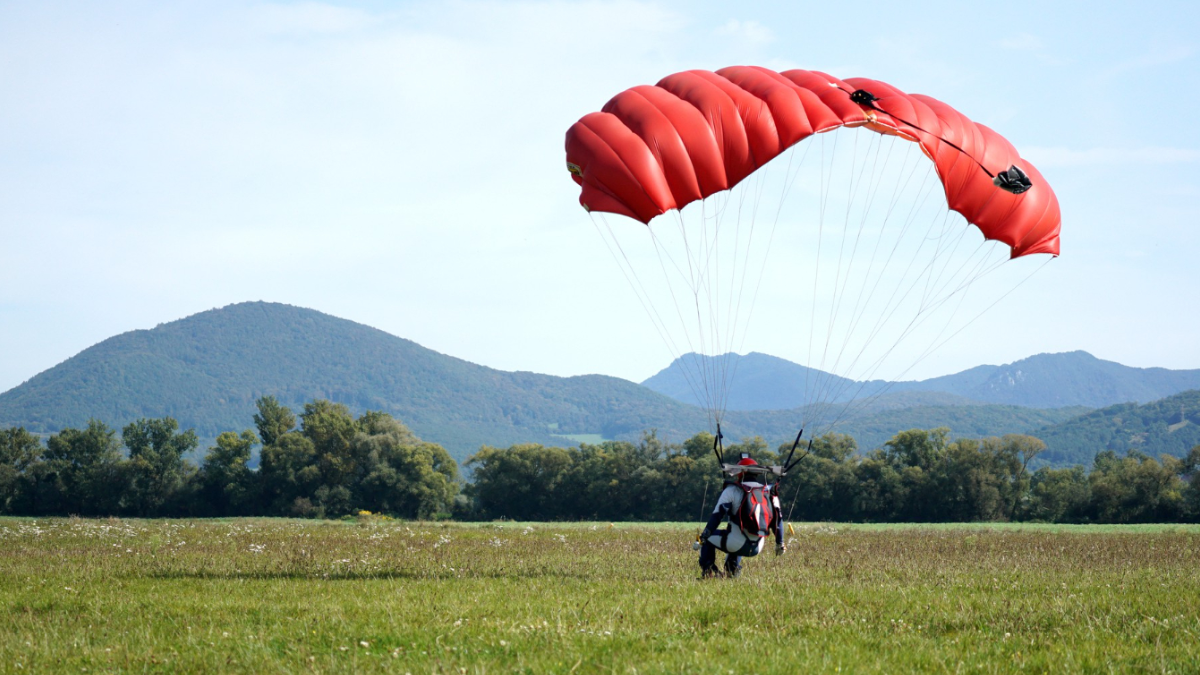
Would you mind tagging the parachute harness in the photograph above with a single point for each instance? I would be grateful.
(1012, 180)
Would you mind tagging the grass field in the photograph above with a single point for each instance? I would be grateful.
(262, 595)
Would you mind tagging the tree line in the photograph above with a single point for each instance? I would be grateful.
(326, 463)
(917, 476)
(331, 465)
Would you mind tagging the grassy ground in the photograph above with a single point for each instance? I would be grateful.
(282, 596)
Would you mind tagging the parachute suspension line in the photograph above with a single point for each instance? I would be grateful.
(867, 290)
(895, 306)
(709, 269)
(823, 201)
(829, 381)
(882, 317)
(851, 189)
(730, 324)
(697, 381)
(695, 275)
(855, 402)
(711, 373)
(789, 182)
(841, 276)
(635, 284)
(1009, 292)
(712, 287)
(729, 328)
(941, 277)
(840, 293)
(934, 347)
(709, 285)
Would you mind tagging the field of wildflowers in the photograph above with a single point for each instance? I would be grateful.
(378, 595)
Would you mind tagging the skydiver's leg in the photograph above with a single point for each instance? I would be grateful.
(733, 565)
(708, 559)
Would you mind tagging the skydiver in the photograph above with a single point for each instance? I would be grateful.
(747, 532)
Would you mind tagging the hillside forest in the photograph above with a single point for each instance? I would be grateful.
(325, 463)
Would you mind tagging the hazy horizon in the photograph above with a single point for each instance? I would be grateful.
(666, 365)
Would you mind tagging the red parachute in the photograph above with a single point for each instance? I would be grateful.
(656, 148)
(888, 267)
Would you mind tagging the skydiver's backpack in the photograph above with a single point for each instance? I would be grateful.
(753, 515)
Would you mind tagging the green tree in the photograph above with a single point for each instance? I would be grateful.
(410, 480)
(289, 476)
(18, 449)
(822, 485)
(1018, 451)
(1191, 494)
(1136, 489)
(156, 469)
(967, 484)
(331, 429)
(228, 486)
(79, 473)
(614, 480)
(880, 494)
(520, 482)
(272, 419)
(1059, 495)
(914, 454)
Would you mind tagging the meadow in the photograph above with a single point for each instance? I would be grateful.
(375, 595)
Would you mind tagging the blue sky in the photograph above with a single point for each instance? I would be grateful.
(401, 164)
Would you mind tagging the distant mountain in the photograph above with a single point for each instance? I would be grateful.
(1169, 426)
(755, 381)
(1071, 378)
(763, 382)
(208, 369)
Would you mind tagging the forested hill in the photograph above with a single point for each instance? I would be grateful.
(1169, 426)
(207, 370)
(765, 382)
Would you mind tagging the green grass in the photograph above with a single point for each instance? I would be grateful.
(261, 595)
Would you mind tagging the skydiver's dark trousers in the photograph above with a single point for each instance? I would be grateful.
(708, 560)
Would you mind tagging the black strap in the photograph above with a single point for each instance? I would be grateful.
(718, 446)
(793, 450)
(867, 100)
(801, 458)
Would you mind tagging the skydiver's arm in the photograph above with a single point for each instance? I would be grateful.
(719, 514)
(723, 509)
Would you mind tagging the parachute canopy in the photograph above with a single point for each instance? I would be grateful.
(653, 149)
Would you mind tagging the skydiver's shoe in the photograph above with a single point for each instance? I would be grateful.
(711, 573)
(733, 572)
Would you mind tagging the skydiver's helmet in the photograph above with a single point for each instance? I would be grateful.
(746, 460)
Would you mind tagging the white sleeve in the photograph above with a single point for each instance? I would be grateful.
(729, 495)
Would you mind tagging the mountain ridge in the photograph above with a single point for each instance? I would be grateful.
(1073, 378)
(206, 370)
